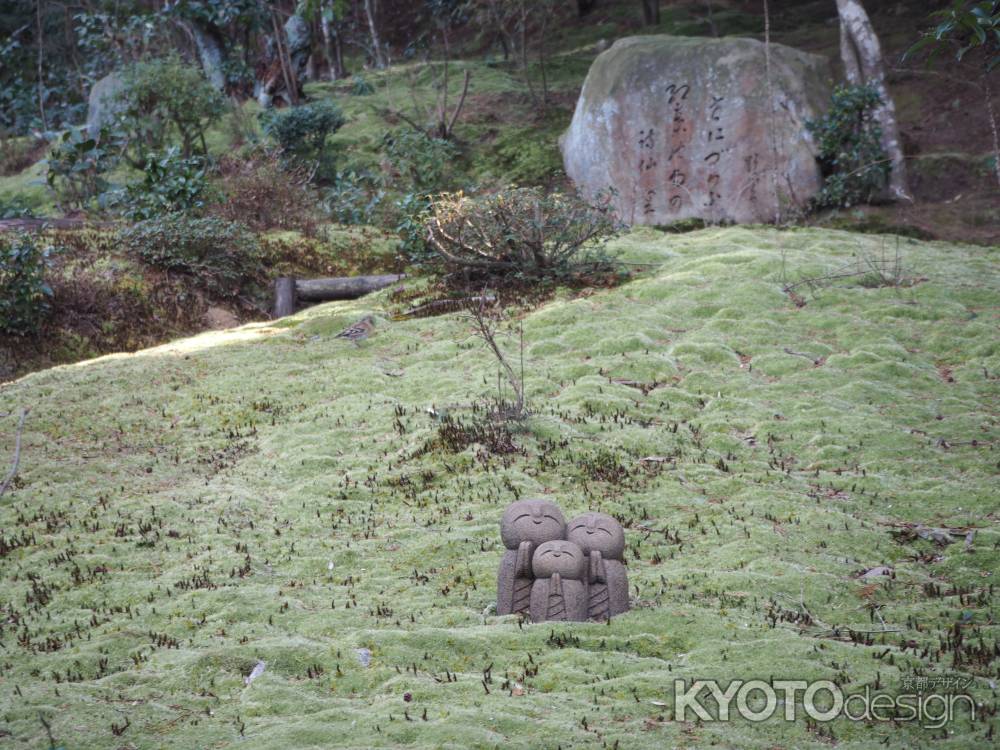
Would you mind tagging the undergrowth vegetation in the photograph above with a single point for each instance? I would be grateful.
(849, 140)
(163, 102)
(24, 293)
(221, 256)
(302, 132)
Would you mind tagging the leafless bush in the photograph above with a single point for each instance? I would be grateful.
(262, 193)
(519, 234)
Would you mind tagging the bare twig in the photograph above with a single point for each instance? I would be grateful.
(458, 108)
(17, 453)
(811, 358)
(485, 327)
(48, 731)
(773, 113)
(396, 113)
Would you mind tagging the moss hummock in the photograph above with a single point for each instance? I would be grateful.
(260, 494)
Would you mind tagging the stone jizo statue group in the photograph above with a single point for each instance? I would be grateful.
(558, 571)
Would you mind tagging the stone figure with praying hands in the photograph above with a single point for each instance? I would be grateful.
(602, 540)
(525, 525)
(554, 571)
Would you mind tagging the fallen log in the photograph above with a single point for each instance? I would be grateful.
(344, 287)
(63, 222)
(284, 296)
(289, 291)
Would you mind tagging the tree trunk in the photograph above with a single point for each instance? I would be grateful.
(344, 287)
(332, 49)
(862, 56)
(378, 51)
(338, 55)
(211, 53)
(993, 124)
(41, 73)
(651, 12)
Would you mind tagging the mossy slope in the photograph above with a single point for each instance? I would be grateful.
(178, 512)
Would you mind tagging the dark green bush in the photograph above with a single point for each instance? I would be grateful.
(354, 196)
(15, 207)
(301, 132)
(360, 86)
(166, 101)
(414, 211)
(855, 166)
(222, 256)
(420, 161)
(77, 168)
(171, 184)
(24, 295)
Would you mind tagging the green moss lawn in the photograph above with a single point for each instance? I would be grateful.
(272, 493)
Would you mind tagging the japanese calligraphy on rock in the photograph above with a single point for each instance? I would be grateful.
(679, 128)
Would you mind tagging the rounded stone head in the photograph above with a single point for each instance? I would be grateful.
(534, 521)
(559, 556)
(597, 532)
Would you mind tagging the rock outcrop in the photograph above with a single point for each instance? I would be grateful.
(103, 104)
(681, 128)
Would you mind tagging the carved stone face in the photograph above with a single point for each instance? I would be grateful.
(535, 521)
(597, 532)
(564, 558)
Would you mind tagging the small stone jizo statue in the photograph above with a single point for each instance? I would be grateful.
(602, 540)
(525, 525)
(559, 591)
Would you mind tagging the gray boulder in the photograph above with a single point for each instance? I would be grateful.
(103, 103)
(682, 128)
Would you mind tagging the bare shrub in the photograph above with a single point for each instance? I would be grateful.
(261, 193)
(519, 234)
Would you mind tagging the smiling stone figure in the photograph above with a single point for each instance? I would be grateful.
(524, 526)
(559, 591)
(603, 542)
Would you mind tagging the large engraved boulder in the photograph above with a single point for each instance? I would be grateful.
(680, 128)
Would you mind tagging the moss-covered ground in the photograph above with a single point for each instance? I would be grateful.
(272, 493)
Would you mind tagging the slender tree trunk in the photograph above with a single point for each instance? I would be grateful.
(338, 52)
(41, 74)
(993, 124)
(862, 55)
(524, 50)
(332, 49)
(775, 160)
(541, 56)
(651, 12)
(378, 51)
(442, 124)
